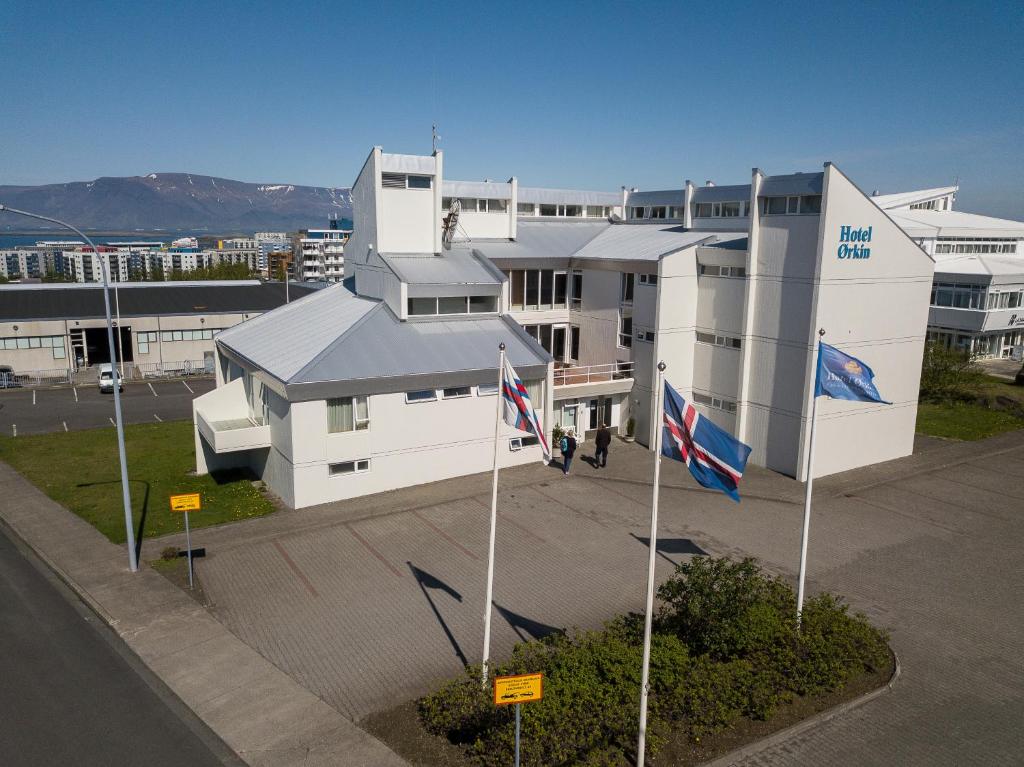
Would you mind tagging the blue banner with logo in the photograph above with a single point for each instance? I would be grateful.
(841, 376)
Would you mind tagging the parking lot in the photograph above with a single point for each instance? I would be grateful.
(72, 408)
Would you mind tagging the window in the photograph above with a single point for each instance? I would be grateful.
(532, 288)
(626, 288)
(703, 210)
(516, 288)
(810, 203)
(561, 289)
(525, 208)
(419, 182)
(730, 209)
(714, 339)
(574, 342)
(547, 277)
(347, 414)
(712, 270)
(625, 331)
(577, 290)
(421, 306)
(774, 205)
(349, 467)
(636, 212)
(658, 211)
(486, 390)
(645, 335)
(457, 392)
(597, 211)
(424, 395)
(482, 304)
(451, 305)
(710, 400)
(648, 279)
(549, 210)
(674, 212)
(515, 444)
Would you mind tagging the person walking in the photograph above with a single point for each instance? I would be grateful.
(602, 441)
(568, 448)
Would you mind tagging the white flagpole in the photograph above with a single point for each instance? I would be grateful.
(494, 515)
(808, 488)
(653, 546)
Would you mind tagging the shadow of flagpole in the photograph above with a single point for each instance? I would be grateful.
(428, 581)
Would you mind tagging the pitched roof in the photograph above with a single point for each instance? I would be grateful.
(955, 223)
(899, 199)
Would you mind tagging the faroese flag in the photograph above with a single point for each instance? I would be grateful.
(841, 376)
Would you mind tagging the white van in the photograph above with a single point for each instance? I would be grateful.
(106, 379)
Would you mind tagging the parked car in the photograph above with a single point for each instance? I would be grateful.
(8, 378)
(106, 379)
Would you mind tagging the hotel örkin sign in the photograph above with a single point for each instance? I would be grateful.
(853, 243)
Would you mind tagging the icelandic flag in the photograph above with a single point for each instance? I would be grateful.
(841, 376)
(715, 458)
(519, 412)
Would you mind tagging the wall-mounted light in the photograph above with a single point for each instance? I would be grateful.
(15, 328)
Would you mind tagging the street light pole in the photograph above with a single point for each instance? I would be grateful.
(133, 564)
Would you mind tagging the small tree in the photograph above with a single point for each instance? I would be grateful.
(948, 374)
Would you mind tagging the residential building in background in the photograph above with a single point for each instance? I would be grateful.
(320, 253)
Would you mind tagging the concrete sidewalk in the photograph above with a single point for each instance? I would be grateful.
(259, 711)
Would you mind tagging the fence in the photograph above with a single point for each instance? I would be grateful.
(84, 376)
(584, 374)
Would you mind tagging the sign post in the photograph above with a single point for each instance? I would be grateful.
(517, 689)
(187, 502)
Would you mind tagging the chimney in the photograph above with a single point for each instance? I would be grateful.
(709, 182)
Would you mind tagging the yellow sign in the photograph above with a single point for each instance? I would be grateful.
(521, 688)
(185, 502)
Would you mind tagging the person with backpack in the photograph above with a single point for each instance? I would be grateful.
(601, 443)
(568, 448)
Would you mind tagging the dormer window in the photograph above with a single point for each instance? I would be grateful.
(404, 181)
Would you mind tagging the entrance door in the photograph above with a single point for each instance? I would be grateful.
(570, 416)
(558, 343)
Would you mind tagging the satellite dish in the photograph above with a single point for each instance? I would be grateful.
(450, 222)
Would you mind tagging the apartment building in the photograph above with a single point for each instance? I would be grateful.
(320, 254)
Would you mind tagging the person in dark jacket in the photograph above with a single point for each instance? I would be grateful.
(602, 441)
(568, 447)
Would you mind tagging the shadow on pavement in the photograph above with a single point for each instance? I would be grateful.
(673, 546)
(428, 581)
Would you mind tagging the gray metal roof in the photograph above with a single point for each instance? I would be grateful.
(567, 196)
(730, 193)
(794, 184)
(662, 197)
(384, 347)
(457, 266)
(640, 242)
(283, 341)
(491, 190)
(540, 239)
(63, 301)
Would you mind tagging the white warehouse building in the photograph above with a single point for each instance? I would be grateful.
(387, 380)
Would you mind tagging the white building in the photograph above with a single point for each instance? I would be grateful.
(727, 284)
(320, 255)
(977, 301)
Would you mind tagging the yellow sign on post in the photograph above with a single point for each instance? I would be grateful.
(185, 502)
(521, 688)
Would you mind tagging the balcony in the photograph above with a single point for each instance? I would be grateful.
(589, 380)
(234, 434)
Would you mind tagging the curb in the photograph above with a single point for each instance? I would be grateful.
(733, 757)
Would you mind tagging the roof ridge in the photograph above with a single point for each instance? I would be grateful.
(284, 308)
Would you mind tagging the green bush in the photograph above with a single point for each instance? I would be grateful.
(725, 645)
(949, 374)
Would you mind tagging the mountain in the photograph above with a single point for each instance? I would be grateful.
(180, 201)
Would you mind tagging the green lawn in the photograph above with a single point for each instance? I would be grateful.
(80, 470)
(964, 421)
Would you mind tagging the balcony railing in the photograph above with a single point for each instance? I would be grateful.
(585, 374)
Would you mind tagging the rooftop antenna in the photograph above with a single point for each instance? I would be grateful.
(434, 137)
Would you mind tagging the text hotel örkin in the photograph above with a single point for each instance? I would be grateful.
(852, 242)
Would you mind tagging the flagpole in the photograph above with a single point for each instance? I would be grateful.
(494, 516)
(653, 547)
(810, 483)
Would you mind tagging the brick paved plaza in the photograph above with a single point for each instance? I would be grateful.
(367, 603)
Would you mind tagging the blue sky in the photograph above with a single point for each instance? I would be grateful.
(589, 95)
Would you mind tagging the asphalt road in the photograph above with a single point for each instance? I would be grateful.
(38, 411)
(72, 693)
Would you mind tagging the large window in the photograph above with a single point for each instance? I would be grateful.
(54, 343)
(975, 245)
(961, 295)
(625, 330)
(475, 205)
(806, 204)
(537, 289)
(560, 341)
(347, 414)
(626, 289)
(526, 209)
(729, 209)
(403, 181)
(577, 290)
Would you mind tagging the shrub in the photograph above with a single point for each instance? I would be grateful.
(725, 645)
(169, 552)
(948, 374)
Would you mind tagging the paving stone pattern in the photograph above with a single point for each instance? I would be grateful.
(370, 602)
